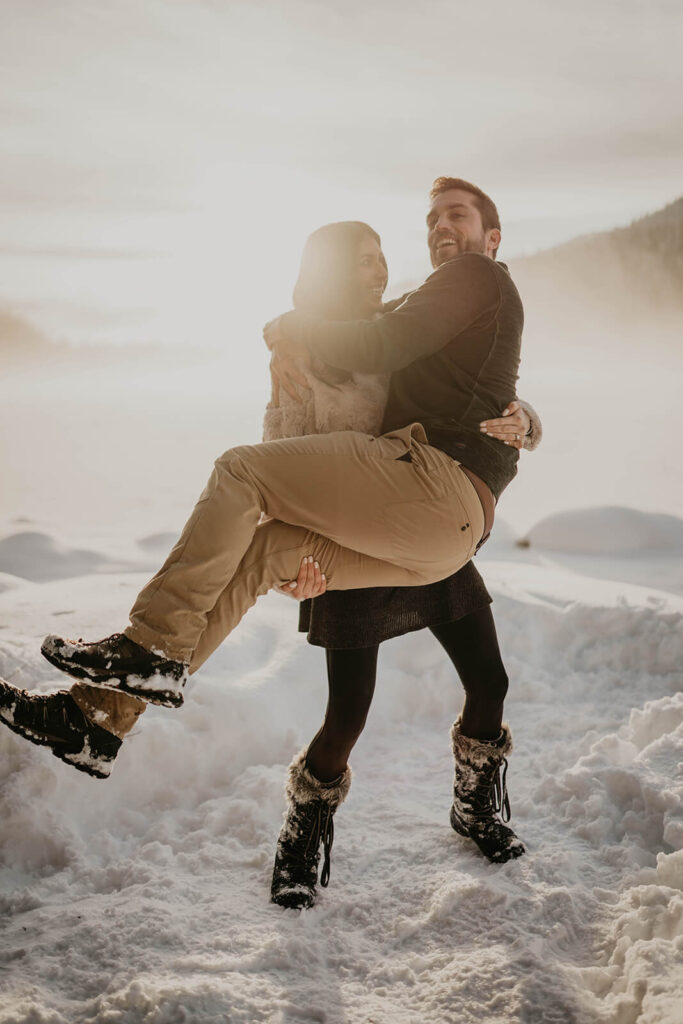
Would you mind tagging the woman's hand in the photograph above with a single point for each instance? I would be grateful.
(285, 370)
(310, 582)
(511, 428)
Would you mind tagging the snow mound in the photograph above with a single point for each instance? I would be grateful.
(624, 792)
(174, 852)
(40, 557)
(7, 582)
(624, 799)
(607, 530)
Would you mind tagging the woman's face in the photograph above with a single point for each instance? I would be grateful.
(372, 274)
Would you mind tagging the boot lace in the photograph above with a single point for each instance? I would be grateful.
(492, 794)
(51, 714)
(499, 791)
(317, 825)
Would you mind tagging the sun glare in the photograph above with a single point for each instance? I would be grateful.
(233, 259)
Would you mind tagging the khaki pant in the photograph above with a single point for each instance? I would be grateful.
(354, 502)
(115, 712)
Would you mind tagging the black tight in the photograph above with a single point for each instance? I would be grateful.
(351, 680)
(471, 644)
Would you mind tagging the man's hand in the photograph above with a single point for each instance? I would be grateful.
(286, 360)
(310, 582)
(510, 428)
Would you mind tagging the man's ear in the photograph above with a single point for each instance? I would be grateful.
(492, 241)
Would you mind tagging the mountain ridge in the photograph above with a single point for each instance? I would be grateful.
(628, 275)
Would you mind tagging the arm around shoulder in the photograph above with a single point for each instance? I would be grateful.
(453, 298)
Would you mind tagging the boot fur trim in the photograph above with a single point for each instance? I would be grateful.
(478, 752)
(303, 787)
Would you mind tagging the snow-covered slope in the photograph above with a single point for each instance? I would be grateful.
(145, 898)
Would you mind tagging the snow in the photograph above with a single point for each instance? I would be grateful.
(38, 556)
(608, 530)
(143, 899)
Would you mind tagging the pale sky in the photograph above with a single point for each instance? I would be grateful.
(165, 159)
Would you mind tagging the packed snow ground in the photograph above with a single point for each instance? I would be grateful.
(144, 898)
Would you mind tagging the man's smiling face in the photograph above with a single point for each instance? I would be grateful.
(454, 225)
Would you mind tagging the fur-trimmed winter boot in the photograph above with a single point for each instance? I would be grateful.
(480, 794)
(308, 824)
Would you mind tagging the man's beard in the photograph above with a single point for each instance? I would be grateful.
(463, 245)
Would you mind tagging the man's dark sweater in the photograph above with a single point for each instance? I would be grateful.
(452, 347)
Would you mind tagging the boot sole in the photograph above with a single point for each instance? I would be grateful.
(85, 761)
(293, 899)
(117, 684)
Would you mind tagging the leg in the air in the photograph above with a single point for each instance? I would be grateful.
(273, 558)
(386, 521)
(136, 664)
(350, 493)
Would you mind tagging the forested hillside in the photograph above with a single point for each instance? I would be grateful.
(629, 277)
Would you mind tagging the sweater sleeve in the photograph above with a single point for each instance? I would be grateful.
(535, 435)
(461, 293)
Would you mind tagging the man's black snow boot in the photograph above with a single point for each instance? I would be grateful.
(480, 794)
(117, 663)
(54, 720)
(308, 824)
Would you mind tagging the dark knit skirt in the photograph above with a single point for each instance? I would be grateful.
(344, 619)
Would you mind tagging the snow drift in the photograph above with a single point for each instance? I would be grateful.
(145, 898)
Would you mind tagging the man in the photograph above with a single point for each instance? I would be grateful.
(409, 507)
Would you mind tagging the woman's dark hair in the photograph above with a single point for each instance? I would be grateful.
(327, 285)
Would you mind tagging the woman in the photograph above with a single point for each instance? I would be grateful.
(343, 275)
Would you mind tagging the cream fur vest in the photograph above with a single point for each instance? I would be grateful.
(357, 404)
